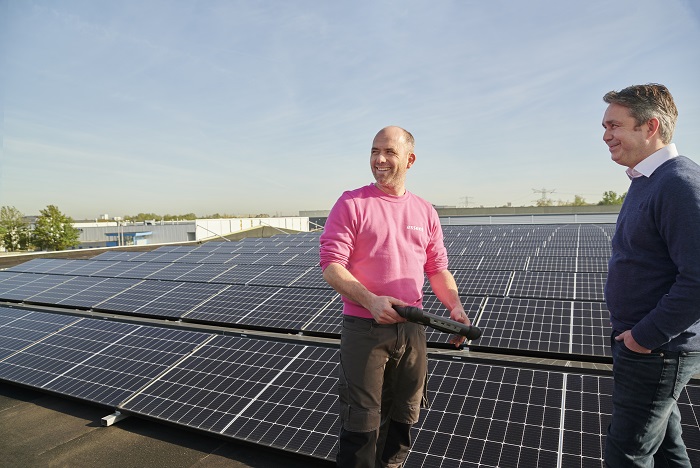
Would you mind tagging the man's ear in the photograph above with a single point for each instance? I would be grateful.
(652, 127)
(411, 160)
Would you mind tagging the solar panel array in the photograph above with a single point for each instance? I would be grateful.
(506, 275)
(534, 290)
(282, 394)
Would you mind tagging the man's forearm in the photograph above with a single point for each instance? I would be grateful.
(340, 279)
(445, 288)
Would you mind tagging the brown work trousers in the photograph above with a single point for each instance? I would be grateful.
(381, 388)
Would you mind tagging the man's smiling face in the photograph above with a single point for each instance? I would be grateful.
(626, 140)
(390, 159)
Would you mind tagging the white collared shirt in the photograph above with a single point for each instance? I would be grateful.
(648, 165)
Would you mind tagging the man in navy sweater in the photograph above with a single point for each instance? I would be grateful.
(653, 285)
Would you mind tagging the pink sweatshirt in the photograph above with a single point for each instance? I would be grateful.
(388, 243)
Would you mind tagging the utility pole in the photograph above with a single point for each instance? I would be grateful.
(543, 200)
(466, 201)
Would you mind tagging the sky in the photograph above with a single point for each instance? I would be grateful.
(250, 107)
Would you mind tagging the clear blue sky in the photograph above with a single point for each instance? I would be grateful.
(241, 107)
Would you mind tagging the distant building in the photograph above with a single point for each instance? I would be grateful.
(117, 233)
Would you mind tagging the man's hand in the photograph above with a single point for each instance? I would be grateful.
(459, 315)
(631, 343)
(382, 311)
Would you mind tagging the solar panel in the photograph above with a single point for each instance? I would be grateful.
(278, 275)
(480, 283)
(117, 269)
(137, 296)
(289, 309)
(174, 271)
(489, 416)
(276, 258)
(73, 286)
(329, 321)
(117, 255)
(37, 265)
(303, 249)
(88, 268)
(99, 361)
(204, 273)
(7, 275)
(25, 285)
(588, 409)
(247, 258)
(526, 324)
(65, 267)
(464, 262)
(503, 263)
(593, 264)
(297, 410)
(180, 300)
(273, 393)
(590, 286)
(543, 284)
(152, 256)
(552, 264)
(312, 278)
(240, 274)
(309, 259)
(591, 329)
(93, 295)
(140, 270)
(21, 328)
(231, 305)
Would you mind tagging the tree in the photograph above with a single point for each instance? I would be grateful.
(54, 230)
(14, 229)
(612, 198)
(578, 201)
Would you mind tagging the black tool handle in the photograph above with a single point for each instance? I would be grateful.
(414, 314)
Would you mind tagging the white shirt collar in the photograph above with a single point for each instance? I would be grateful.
(648, 165)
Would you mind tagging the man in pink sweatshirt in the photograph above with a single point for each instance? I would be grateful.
(378, 244)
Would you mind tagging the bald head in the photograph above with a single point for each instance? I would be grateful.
(391, 156)
(399, 134)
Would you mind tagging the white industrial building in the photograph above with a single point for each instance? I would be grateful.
(112, 234)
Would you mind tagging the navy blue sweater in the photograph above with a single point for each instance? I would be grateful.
(653, 285)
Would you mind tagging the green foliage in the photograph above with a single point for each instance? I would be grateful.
(14, 229)
(143, 217)
(54, 230)
(578, 201)
(612, 198)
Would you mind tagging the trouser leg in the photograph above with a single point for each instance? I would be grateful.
(396, 446)
(356, 449)
(645, 416)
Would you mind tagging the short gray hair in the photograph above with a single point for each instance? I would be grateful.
(646, 102)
